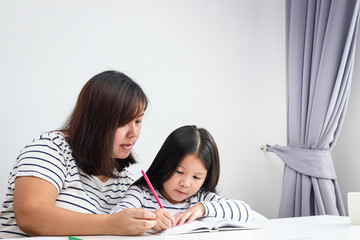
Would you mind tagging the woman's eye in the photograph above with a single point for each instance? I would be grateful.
(138, 120)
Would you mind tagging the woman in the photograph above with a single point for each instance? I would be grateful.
(65, 182)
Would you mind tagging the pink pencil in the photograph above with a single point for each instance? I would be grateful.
(153, 191)
(151, 188)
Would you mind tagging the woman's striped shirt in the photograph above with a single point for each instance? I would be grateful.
(49, 157)
(139, 196)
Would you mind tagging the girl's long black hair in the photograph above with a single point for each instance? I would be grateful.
(180, 143)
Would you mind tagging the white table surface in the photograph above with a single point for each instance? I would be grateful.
(299, 228)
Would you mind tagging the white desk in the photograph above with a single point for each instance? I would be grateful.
(316, 227)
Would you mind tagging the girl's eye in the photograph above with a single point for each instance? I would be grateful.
(179, 172)
(197, 178)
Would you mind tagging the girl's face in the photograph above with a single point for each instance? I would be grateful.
(186, 180)
(125, 138)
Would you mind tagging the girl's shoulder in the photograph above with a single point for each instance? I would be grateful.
(202, 195)
(202, 192)
(145, 190)
(140, 188)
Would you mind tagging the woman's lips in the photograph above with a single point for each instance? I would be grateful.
(126, 146)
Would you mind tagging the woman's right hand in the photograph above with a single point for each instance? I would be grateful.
(132, 221)
(164, 219)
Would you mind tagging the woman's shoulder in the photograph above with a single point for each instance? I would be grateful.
(53, 139)
(54, 136)
(125, 174)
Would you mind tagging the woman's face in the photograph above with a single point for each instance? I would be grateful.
(186, 181)
(125, 138)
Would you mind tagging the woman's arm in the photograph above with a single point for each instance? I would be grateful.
(36, 214)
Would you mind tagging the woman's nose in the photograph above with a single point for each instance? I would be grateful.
(133, 131)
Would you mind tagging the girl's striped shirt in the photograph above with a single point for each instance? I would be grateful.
(139, 196)
(49, 157)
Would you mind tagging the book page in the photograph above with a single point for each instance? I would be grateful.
(195, 226)
(233, 225)
(207, 224)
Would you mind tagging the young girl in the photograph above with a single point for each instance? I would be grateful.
(184, 173)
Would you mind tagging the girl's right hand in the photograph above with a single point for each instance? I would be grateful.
(164, 219)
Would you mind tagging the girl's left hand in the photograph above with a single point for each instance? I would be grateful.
(196, 211)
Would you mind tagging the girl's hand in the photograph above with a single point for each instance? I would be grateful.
(164, 219)
(196, 211)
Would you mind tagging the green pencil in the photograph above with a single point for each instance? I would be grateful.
(73, 238)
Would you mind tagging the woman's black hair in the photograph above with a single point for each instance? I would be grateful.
(107, 101)
(181, 142)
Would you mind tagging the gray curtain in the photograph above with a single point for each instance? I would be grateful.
(320, 48)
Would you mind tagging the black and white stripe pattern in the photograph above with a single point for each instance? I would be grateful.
(49, 157)
(216, 206)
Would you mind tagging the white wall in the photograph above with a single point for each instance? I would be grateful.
(219, 64)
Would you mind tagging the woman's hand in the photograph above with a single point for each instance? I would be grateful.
(196, 211)
(164, 219)
(132, 221)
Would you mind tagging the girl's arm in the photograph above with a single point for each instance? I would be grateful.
(211, 205)
(36, 214)
(133, 199)
(216, 206)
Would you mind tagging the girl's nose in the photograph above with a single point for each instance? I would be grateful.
(185, 183)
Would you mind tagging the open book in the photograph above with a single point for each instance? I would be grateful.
(208, 224)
